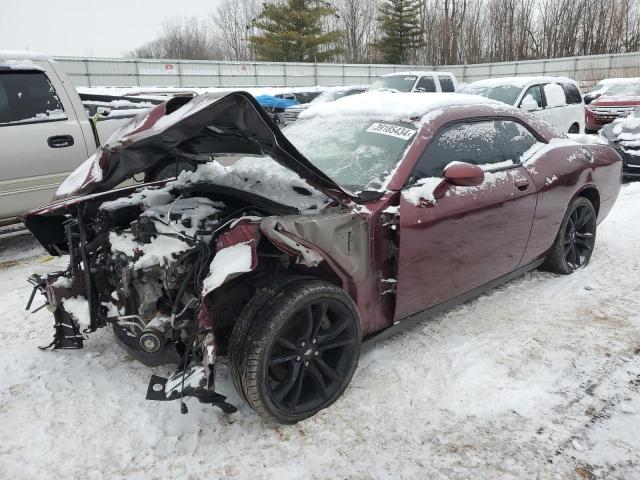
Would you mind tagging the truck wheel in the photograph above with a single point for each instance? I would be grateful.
(301, 351)
(575, 240)
(575, 128)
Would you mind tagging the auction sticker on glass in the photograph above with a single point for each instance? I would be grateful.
(391, 130)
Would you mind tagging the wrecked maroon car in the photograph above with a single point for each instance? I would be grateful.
(284, 251)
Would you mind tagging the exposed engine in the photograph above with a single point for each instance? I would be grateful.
(148, 255)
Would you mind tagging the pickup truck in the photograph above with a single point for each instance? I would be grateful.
(45, 131)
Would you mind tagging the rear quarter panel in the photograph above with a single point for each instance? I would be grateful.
(560, 173)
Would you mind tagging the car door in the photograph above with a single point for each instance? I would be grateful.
(556, 111)
(41, 140)
(471, 235)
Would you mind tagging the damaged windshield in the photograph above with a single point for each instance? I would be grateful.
(358, 153)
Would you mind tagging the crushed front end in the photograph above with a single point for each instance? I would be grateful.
(138, 265)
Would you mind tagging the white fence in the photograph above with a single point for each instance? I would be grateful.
(183, 73)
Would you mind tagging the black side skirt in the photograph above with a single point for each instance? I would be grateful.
(431, 312)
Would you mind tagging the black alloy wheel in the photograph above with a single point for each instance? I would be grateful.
(579, 235)
(299, 352)
(311, 356)
(576, 238)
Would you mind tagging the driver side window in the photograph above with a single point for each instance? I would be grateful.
(535, 93)
(481, 143)
(426, 84)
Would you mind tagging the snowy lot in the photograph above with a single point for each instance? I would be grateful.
(539, 379)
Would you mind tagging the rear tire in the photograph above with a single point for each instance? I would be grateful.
(576, 238)
(300, 350)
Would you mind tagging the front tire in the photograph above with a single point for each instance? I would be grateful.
(300, 352)
(575, 128)
(576, 238)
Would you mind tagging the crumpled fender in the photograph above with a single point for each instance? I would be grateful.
(288, 243)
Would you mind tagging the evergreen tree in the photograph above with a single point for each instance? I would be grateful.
(293, 31)
(399, 22)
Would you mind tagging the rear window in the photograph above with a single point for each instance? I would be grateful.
(28, 97)
(572, 93)
(446, 83)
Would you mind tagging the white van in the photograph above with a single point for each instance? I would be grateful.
(556, 99)
(416, 82)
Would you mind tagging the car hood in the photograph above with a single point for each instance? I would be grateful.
(616, 101)
(624, 131)
(197, 127)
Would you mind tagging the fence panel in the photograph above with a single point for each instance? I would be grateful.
(183, 73)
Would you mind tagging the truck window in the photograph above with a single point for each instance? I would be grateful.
(446, 84)
(426, 84)
(28, 97)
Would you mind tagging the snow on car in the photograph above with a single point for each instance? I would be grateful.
(619, 101)
(285, 251)
(556, 99)
(624, 135)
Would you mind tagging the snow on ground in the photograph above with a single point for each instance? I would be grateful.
(539, 379)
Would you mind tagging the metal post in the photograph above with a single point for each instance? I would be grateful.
(516, 70)
(135, 63)
(255, 72)
(219, 74)
(86, 69)
(315, 73)
(464, 72)
(610, 65)
(179, 63)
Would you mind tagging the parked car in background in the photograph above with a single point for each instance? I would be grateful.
(623, 134)
(365, 216)
(618, 101)
(291, 113)
(605, 85)
(45, 132)
(556, 99)
(416, 82)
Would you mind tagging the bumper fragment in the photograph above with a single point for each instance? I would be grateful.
(194, 380)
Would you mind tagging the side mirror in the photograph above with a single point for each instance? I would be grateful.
(463, 174)
(529, 104)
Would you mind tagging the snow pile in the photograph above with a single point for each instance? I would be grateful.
(392, 106)
(47, 115)
(554, 94)
(78, 308)
(226, 263)
(498, 388)
(160, 251)
(422, 191)
(144, 198)
(87, 171)
(258, 175)
(587, 139)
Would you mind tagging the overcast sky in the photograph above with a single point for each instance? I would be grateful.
(100, 28)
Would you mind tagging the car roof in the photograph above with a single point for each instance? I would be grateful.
(520, 81)
(23, 55)
(396, 106)
(418, 73)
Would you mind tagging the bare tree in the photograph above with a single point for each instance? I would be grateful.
(234, 22)
(182, 38)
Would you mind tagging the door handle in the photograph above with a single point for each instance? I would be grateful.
(522, 183)
(60, 141)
